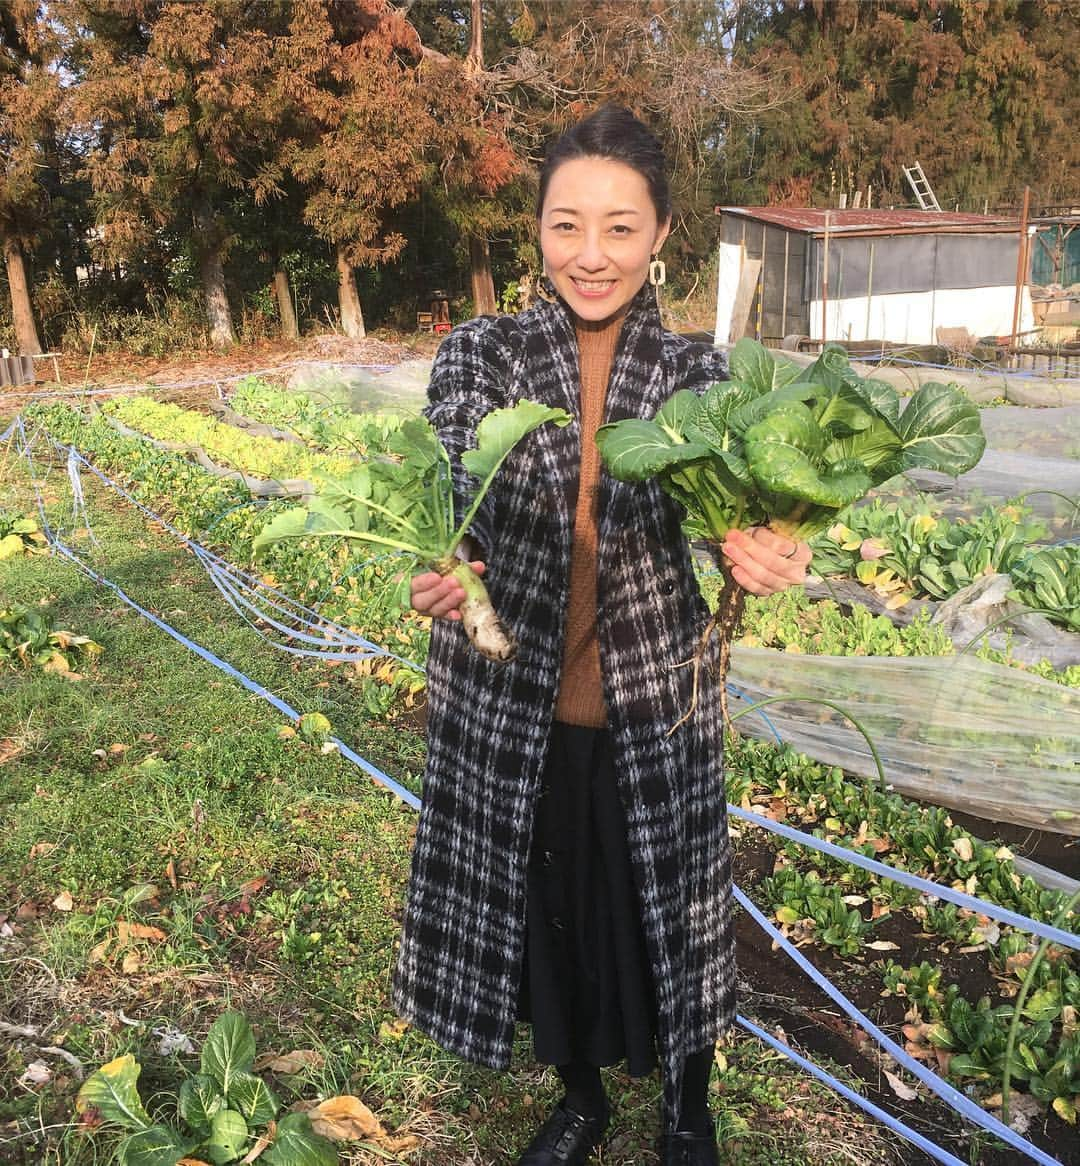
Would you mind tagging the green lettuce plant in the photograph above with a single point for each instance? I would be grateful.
(786, 448)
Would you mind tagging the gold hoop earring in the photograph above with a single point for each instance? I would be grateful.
(657, 272)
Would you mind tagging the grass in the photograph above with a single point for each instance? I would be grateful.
(261, 874)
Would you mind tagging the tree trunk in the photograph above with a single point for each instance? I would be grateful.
(212, 274)
(289, 330)
(352, 316)
(483, 287)
(474, 59)
(22, 311)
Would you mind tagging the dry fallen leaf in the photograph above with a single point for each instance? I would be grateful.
(63, 901)
(394, 1029)
(260, 1145)
(119, 747)
(37, 1073)
(904, 1092)
(883, 945)
(129, 931)
(253, 886)
(131, 963)
(401, 1144)
(40, 848)
(100, 951)
(345, 1119)
(294, 1062)
(963, 848)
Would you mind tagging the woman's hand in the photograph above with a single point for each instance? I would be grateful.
(438, 595)
(764, 562)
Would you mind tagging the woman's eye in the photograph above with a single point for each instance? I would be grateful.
(620, 229)
(563, 227)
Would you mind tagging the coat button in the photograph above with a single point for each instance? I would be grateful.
(549, 857)
(668, 588)
(556, 924)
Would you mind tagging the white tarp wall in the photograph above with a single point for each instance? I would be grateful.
(729, 264)
(914, 317)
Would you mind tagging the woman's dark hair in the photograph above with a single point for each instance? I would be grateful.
(613, 132)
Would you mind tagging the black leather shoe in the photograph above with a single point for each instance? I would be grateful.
(686, 1149)
(565, 1139)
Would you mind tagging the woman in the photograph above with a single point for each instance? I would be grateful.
(571, 863)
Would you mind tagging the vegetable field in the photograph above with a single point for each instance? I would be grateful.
(196, 883)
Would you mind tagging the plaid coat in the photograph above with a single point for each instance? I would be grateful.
(461, 952)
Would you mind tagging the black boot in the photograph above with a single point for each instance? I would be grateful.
(687, 1149)
(565, 1139)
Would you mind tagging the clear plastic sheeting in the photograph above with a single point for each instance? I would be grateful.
(364, 389)
(955, 731)
(1031, 452)
(1042, 433)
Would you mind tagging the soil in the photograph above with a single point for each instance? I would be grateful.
(772, 988)
(79, 372)
(776, 992)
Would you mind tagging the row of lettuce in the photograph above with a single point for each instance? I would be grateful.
(819, 901)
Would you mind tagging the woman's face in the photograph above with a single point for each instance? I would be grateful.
(598, 232)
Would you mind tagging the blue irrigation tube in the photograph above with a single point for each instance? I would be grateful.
(212, 562)
(849, 1094)
(963, 1105)
(992, 910)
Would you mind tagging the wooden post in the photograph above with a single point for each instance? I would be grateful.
(783, 306)
(869, 288)
(825, 285)
(761, 285)
(1021, 266)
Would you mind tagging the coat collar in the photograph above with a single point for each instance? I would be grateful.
(636, 387)
(550, 372)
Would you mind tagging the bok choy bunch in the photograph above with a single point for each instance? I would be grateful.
(787, 448)
(406, 503)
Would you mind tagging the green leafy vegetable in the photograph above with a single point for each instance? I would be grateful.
(229, 1050)
(297, 1144)
(228, 1134)
(407, 504)
(157, 1146)
(111, 1090)
(200, 1099)
(786, 448)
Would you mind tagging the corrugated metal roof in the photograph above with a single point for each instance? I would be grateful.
(811, 220)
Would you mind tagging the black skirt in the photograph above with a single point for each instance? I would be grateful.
(586, 982)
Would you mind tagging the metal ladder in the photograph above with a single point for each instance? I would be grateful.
(923, 191)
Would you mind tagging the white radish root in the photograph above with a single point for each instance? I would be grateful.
(486, 631)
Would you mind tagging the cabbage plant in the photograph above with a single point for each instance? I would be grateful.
(787, 448)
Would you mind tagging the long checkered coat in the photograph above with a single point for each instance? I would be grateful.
(488, 724)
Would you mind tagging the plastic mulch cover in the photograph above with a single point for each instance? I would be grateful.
(957, 731)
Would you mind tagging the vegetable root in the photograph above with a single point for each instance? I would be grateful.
(724, 623)
(486, 631)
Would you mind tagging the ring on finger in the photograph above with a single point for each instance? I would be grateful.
(792, 553)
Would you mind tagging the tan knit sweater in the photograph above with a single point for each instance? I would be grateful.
(581, 696)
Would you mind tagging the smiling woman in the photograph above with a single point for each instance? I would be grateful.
(599, 230)
(572, 865)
